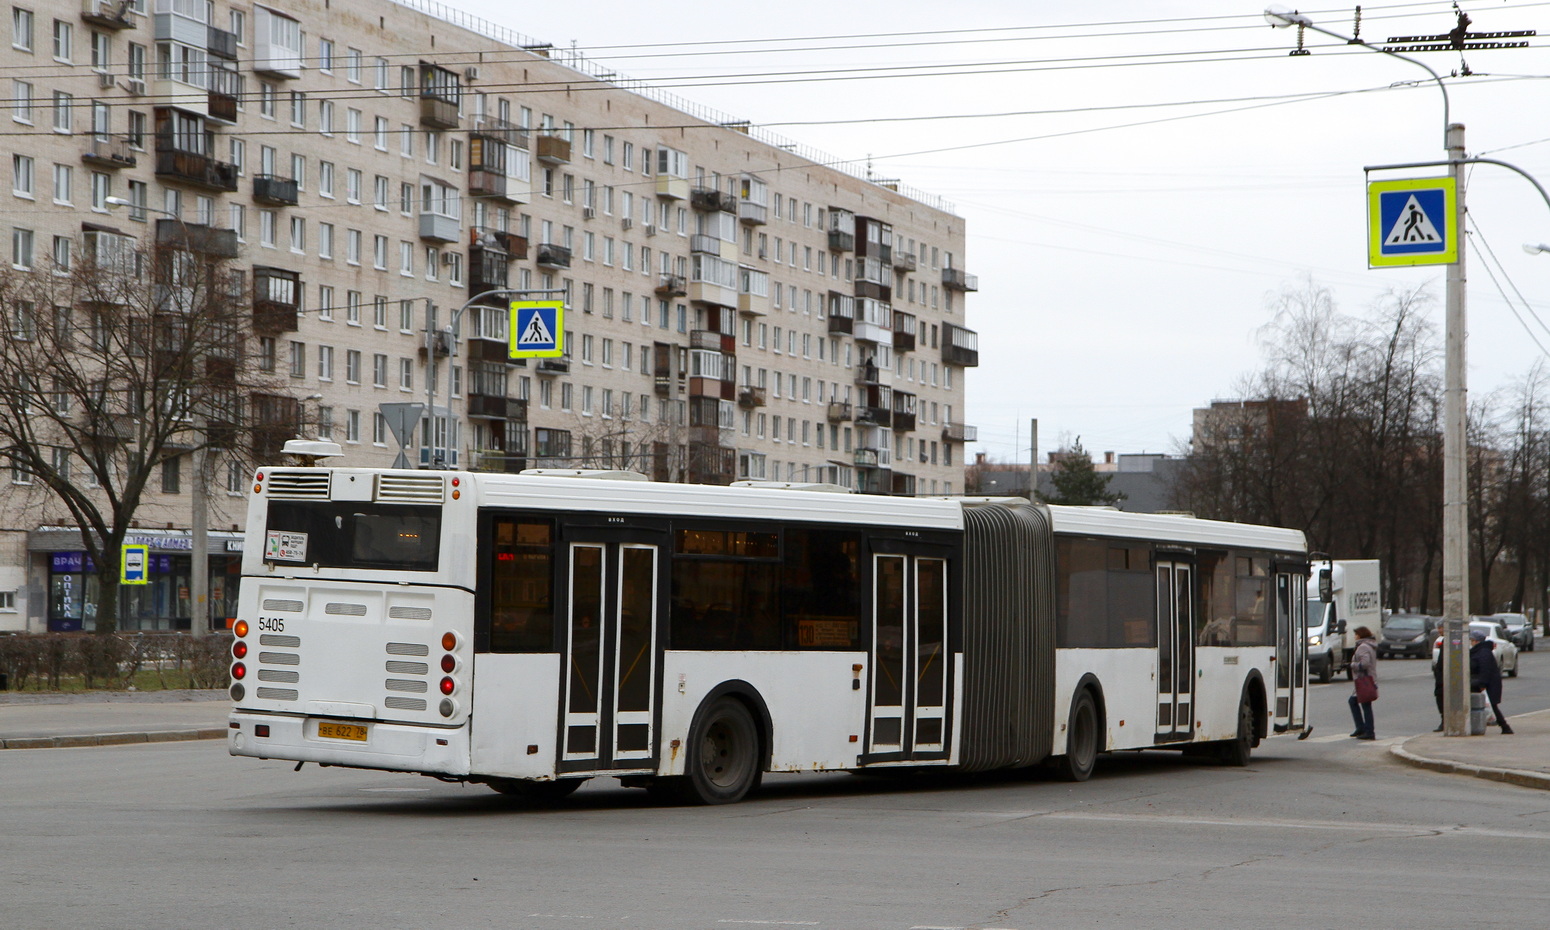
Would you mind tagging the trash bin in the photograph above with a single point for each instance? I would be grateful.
(1477, 712)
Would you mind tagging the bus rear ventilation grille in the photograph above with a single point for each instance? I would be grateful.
(279, 694)
(411, 489)
(277, 604)
(408, 668)
(408, 649)
(401, 703)
(282, 640)
(406, 685)
(279, 674)
(279, 658)
(409, 613)
(344, 610)
(291, 485)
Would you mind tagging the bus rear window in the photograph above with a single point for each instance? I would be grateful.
(351, 534)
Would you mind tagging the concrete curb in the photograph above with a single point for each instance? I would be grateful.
(111, 739)
(1518, 777)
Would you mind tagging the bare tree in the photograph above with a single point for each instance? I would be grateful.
(119, 369)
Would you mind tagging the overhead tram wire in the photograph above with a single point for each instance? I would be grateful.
(1477, 242)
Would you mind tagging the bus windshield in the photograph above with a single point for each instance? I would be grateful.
(353, 534)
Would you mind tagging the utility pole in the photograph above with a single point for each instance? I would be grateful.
(1033, 459)
(1455, 472)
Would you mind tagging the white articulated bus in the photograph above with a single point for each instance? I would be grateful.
(532, 631)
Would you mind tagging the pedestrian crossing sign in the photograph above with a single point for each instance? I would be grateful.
(1412, 222)
(537, 329)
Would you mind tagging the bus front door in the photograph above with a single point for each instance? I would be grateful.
(1291, 687)
(909, 711)
(1175, 651)
(610, 656)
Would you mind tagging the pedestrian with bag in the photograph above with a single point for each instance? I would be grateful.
(1364, 676)
(1485, 675)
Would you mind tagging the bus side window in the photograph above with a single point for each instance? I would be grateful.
(522, 586)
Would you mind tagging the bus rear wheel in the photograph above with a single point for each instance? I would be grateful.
(1081, 739)
(536, 790)
(722, 761)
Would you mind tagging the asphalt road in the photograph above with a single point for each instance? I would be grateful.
(1328, 832)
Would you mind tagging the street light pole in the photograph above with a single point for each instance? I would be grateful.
(1455, 481)
(199, 499)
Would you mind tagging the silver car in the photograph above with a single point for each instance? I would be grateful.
(1520, 629)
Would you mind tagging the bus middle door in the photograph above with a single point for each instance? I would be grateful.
(909, 699)
(610, 649)
(1175, 649)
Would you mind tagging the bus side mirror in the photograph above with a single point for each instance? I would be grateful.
(1326, 585)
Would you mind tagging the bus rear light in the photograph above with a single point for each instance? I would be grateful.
(456, 494)
(456, 482)
(241, 629)
(238, 692)
(448, 685)
(239, 649)
(449, 641)
(448, 663)
(261, 729)
(239, 671)
(448, 708)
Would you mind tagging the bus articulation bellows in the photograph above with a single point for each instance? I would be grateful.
(531, 631)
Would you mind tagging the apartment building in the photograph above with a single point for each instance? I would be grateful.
(735, 308)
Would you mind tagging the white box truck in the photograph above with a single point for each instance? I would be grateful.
(1342, 595)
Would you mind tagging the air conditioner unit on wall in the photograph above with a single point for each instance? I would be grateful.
(137, 86)
(651, 230)
(106, 79)
(471, 73)
(627, 223)
(588, 213)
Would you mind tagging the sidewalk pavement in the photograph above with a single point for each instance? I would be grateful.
(32, 720)
(1520, 759)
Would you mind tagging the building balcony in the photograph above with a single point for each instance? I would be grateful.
(904, 261)
(840, 241)
(198, 170)
(671, 188)
(865, 331)
(553, 366)
(707, 292)
(109, 152)
(874, 416)
(753, 304)
(486, 349)
(956, 279)
(221, 44)
(672, 285)
(273, 189)
(710, 199)
(488, 270)
(903, 485)
(874, 291)
(960, 346)
(490, 406)
(840, 412)
(499, 130)
(438, 112)
(552, 150)
(108, 14)
(276, 300)
(903, 422)
(754, 214)
(960, 432)
(841, 324)
(486, 182)
(196, 237)
(865, 458)
(553, 256)
(440, 228)
(903, 332)
(749, 396)
(513, 246)
(708, 245)
(724, 343)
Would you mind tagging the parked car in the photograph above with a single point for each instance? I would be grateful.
(1520, 629)
(1408, 635)
(1506, 651)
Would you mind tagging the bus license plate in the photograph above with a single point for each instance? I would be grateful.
(350, 731)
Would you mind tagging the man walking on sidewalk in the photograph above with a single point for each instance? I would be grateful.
(1485, 675)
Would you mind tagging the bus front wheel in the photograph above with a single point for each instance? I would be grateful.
(1081, 739)
(722, 762)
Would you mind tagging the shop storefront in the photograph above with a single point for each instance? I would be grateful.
(164, 602)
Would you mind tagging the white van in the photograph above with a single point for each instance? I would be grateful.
(1342, 595)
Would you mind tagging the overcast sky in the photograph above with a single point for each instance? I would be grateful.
(1137, 178)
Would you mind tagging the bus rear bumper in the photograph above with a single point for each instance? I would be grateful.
(368, 744)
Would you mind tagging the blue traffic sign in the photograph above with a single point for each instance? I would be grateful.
(1411, 222)
(537, 329)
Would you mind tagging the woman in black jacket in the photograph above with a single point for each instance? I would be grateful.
(1485, 675)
